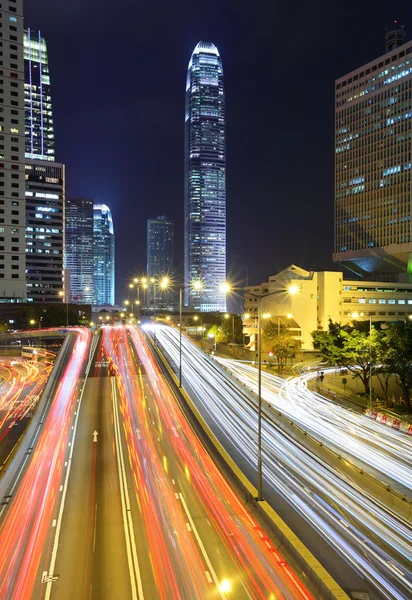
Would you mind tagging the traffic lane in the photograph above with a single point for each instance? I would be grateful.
(29, 523)
(17, 466)
(19, 395)
(92, 521)
(333, 562)
(238, 548)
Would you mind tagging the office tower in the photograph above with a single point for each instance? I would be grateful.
(39, 116)
(12, 201)
(205, 180)
(79, 248)
(103, 256)
(373, 159)
(160, 246)
(44, 230)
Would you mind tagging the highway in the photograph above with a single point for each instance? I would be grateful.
(201, 540)
(34, 485)
(365, 546)
(385, 451)
(118, 497)
(21, 383)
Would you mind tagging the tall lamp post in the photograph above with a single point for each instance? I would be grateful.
(291, 290)
(356, 315)
(227, 316)
(196, 285)
(61, 294)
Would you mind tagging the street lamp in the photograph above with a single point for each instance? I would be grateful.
(196, 285)
(40, 320)
(293, 289)
(61, 294)
(227, 316)
(356, 315)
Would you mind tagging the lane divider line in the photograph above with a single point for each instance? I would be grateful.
(134, 570)
(64, 488)
(201, 546)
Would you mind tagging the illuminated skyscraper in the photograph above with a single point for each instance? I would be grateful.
(205, 179)
(12, 177)
(79, 248)
(160, 246)
(103, 256)
(38, 115)
(44, 230)
(373, 164)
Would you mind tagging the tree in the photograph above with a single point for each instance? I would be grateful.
(349, 347)
(280, 341)
(234, 321)
(218, 333)
(396, 355)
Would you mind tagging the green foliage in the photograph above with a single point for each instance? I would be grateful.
(219, 335)
(381, 352)
(236, 323)
(280, 342)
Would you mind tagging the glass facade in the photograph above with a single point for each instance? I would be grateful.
(79, 249)
(44, 230)
(373, 133)
(160, 246)
(103, 256)
(205, 180)
(39, 130)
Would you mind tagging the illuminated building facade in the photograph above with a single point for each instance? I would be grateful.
(205, 180)
(373, 164)
(79, 249)
(12, 199)
(44, 230)
(103, 256)
(38, 117)
(160, 246)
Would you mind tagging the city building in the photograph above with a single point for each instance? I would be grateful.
(103, 256)
(205, 180)
(373, 164)
(45, 189)
(38, 117)
(78, 258)
(320, 296)
(12, 199)
(160, 246)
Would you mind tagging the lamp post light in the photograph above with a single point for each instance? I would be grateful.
(355, 315)
(196, 285)
(293, 289)
(61, 295)
(227, 316)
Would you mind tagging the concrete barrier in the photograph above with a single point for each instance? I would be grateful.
(322, 585)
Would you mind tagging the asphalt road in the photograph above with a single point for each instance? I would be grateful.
(21, 384)
(32, 487)
(147, 514)
(366, 542)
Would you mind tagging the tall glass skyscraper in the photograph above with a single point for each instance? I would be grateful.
(103, 255)
(39, 130)
(79, 248)
(205, 180)
(373, 164)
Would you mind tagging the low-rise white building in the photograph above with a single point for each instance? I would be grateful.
(319, 296)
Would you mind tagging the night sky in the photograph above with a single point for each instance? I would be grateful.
(118, 74)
